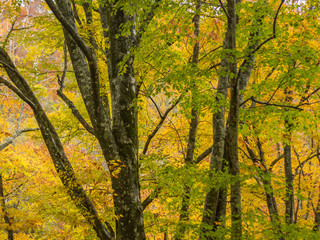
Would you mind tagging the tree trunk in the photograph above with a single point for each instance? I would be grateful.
(191, 145)
(8, 220)
(268, 188)
(232, 134)
(289, 201)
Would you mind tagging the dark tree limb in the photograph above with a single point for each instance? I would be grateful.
(146, 22)
(203, 155)
(75, 11)
(273, 30)
(76, 112)
(305, 161)
(224, 9)
(274, 162)
(70, 104)
(150, 198)
(16, 91)
(253, 99)
(211, 51)
(162, 119)
(66, 24)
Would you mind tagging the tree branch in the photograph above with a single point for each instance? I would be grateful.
(146, 22)
(17, 134)
(305, 161)
(274, 162)
(224, 9)
(76, 112)
(163, 118)
(203, 155)
(150, 198)
(253, 99)
(17, 91)
(65, 23)
(273, 30)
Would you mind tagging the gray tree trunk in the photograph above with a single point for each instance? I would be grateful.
(117, 135)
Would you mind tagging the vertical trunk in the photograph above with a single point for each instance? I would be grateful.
(232, 134)
(317, 216)
(268, 188)
(289, 201)
(210, 215)
(127, 200)
(8, 220)
(316, 227)
(184, 211)
(118, 138)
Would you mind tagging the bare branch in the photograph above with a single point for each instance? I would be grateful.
(76, 15)
(163, 118)
(17, 91)
(203, 155)
(305, 161)
(150, 198)
(9, 33)
(214, 65)
(156, 106)
(66, 24)
(274, 162)
(76, 112)
(253, 99)
(224, 9)
(70, 104)
(273, 30)
(17, 134)
(211, 51)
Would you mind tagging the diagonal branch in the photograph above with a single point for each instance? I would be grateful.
(305, 161)
(17, 134)
(150, 198)
(66, 24)
(17, 91)
(146, 22)
(224, 9)
(273, 29)
(154, 132)
(253, 99)
(203, 155)
(76, 112)
(76, 15)
(70, 104)
(274, 162)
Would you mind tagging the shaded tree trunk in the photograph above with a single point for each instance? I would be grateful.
(232, 134)
(117, 134)
(289, 201)
(8, 220)
(264, 175)
(191, 145)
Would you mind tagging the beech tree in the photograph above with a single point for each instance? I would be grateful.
(113, 124)
(237, 71)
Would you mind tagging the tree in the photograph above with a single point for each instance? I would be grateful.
(120, 54)
(116, 133)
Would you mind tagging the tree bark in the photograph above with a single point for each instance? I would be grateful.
(191, 145)
(289, 201)
(232, 134)
(8, 220)
(264, 175)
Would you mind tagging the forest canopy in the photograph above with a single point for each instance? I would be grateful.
(159, 119)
